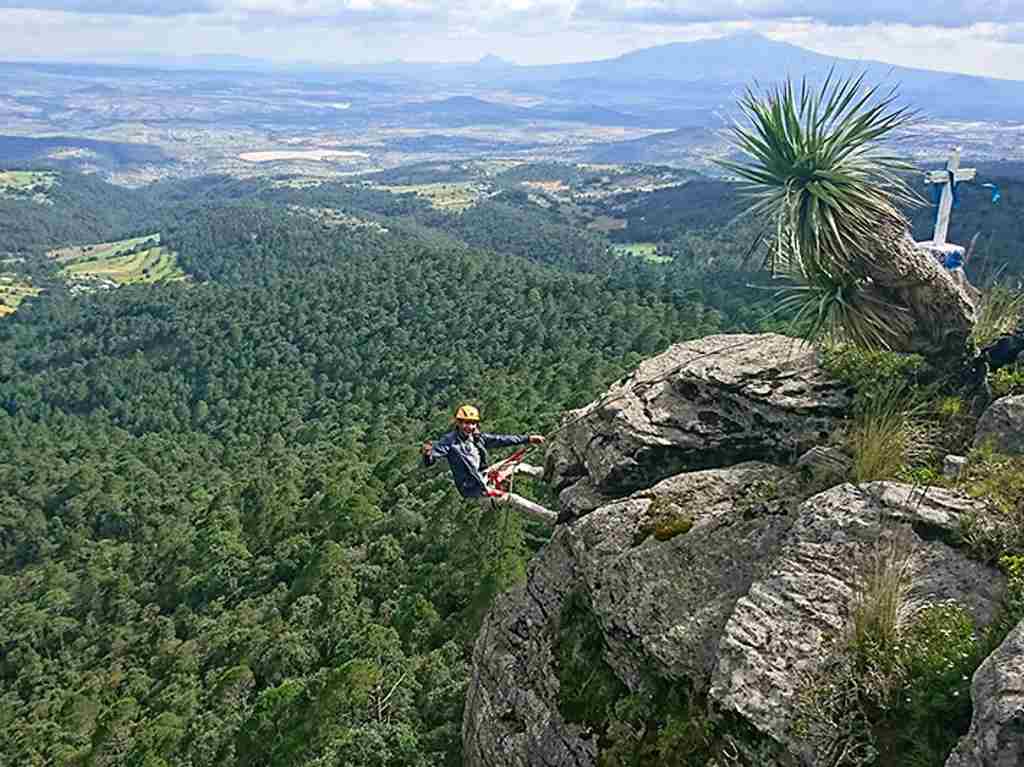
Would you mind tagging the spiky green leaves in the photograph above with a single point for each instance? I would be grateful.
(852, 312)
(818, 168)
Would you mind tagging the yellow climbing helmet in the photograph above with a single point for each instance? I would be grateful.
(467, 413)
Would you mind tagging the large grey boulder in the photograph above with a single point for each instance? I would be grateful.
(717, 581)
(1002, 425)
(713, 402)
(664, 568)
(996, 737)
(697, 566)
(660, 572)
(785, 628)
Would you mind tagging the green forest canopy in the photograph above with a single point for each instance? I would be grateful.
(217, 546)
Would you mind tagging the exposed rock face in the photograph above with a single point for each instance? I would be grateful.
(1002, 425)
(953, 466)
(709, 403)
(664, 603)
(511, 716)
(745, 599)
(996, 737)
(783, 626)
(728, 582)
(826, 465)
(661, 604)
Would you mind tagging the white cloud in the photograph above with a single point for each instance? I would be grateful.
(119, 7)
(1010, 33)
(975, 36)
(945, 13)
(973, 50)
(309, 10)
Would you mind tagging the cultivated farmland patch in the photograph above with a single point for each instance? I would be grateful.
(648, 251)
(14, 290)
(456, 196)
(109, 265)
(27, 185)
(550, 187)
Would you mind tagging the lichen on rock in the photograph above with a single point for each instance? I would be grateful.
(660, 607)
(1002, 426)
(788, 623)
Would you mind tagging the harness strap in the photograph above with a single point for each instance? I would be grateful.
(499, 476)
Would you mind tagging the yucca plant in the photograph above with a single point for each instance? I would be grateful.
(818, 170)
(824, 312)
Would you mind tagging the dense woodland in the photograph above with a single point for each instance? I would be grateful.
(84, 209)
(216, 543)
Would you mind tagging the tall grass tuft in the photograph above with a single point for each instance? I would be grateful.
(838, 708)
(999, 312)
(888, 437)
(880, 607)
(897, 692)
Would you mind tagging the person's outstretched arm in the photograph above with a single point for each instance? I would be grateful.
(508, 440)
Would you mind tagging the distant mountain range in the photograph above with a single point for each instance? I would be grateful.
(692, 83)
(673, 84)
(668, 86)
(707, 74)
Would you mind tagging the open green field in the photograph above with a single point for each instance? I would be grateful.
(13, 290)
(139, 259)
(25, 179)
(648, 251)
(296, 183)
(101, 250)
(455, 196)
(26, 184)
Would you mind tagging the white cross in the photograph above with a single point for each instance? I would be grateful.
(955, 174)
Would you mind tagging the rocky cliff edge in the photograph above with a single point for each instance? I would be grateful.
(703, 560)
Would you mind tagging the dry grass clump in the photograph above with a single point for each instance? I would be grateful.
(879, 607)
(889, 436)
(999, 313)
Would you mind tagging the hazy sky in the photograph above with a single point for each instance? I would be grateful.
(977, 36)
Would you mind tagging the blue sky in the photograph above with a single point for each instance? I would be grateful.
(977, 36)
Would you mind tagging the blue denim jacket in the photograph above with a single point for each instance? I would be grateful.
(467, 457)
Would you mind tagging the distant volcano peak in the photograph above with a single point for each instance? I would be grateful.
(490, 61)
(745, 34)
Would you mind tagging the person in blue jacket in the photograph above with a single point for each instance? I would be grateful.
(465, 448)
